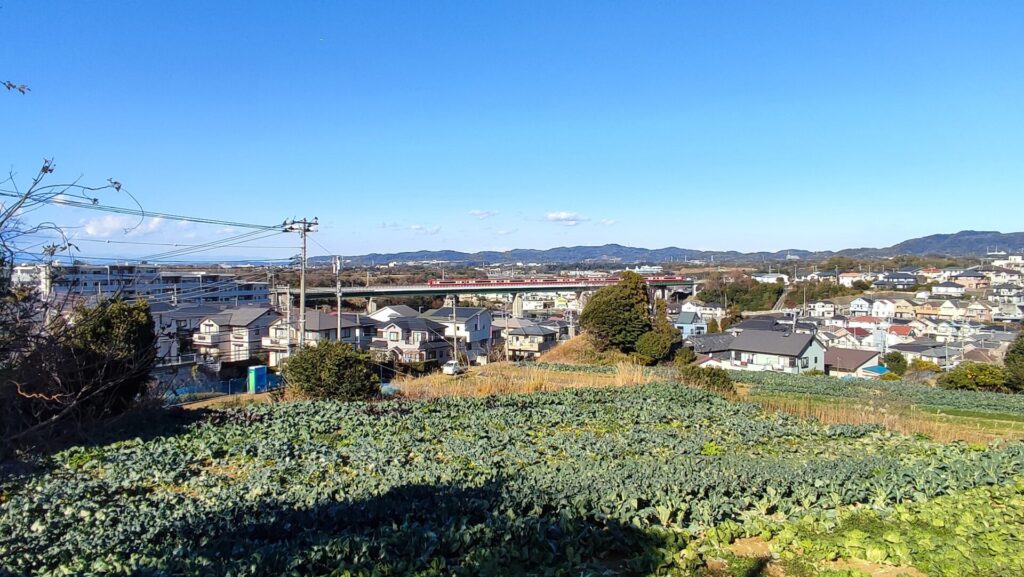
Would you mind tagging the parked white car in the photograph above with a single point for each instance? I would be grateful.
(452, 368)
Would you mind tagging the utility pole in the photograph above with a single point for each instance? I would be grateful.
(455, 333)
(337, 289)
(303, 227)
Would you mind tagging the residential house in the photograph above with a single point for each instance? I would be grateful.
(471, 326)
(390, 312)
(530, 342)
(1009, 313)
(1006, 293)
(899, 281)
(842, 362)
(838, 338)
(407, 340)
(949, 289)
(861, 306)
(821, 309)
(883, 309)
(1013, 261)
(283, 334)
(929, 350)
(234, 334)
(980, 311)
(690, 324)
(760, 350)
(770, 277)
(903, 309)
(951, 271)
(1001, 275)
(904, 333)
(927, 309)
(971, 279)
(174, 327)
(865, 321)
(847, 279)
(714, 345)
(835, 321)
(952, 310)
(707, 311)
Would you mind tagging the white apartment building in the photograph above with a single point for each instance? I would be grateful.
(134, 281)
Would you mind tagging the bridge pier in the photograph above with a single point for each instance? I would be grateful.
(371, 306)
(517, 305)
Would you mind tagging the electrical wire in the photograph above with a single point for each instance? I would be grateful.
(63, 201)
(140, 243)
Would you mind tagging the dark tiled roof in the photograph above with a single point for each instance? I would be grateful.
(772, 342)
(461, 313)
(711, 343)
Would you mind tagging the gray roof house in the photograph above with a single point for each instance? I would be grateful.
(770, 350)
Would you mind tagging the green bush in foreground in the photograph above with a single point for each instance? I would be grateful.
(331, 370)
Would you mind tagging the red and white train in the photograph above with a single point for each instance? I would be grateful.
(579, 280)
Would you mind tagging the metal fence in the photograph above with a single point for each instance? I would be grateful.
(211, 389)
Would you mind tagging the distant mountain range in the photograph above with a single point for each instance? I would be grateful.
(963, 243)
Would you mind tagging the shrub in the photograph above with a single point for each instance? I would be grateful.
(709, 378)
(685, 356)
(975, 377)
(655, 345)
(331, 370)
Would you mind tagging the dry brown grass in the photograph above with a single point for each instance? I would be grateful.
(581, 350)
(507, 378)
(900, 419)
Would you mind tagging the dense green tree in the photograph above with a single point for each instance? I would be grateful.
(895, 362)
(713, 326)
(1014, 362)
(657, 343)
(616, 316)
(331, 370)
(975, 377)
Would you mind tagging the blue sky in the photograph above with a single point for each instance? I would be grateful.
(487, 125)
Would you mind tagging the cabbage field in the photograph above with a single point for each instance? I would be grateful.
(657, 479)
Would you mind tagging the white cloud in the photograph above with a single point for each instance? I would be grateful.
(111, 225)
(388, 225)
(420, 229)
(566, 218)
(607, 221)
(482, 214)
(504, 232)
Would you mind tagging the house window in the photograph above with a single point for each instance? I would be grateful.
(393, 335)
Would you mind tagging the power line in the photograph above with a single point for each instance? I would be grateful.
(141, 243)
(63, 201)
(221, 243)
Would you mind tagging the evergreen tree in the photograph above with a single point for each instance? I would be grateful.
(895, 362)
(331, 370)
(1014, 362)
(616, 316)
